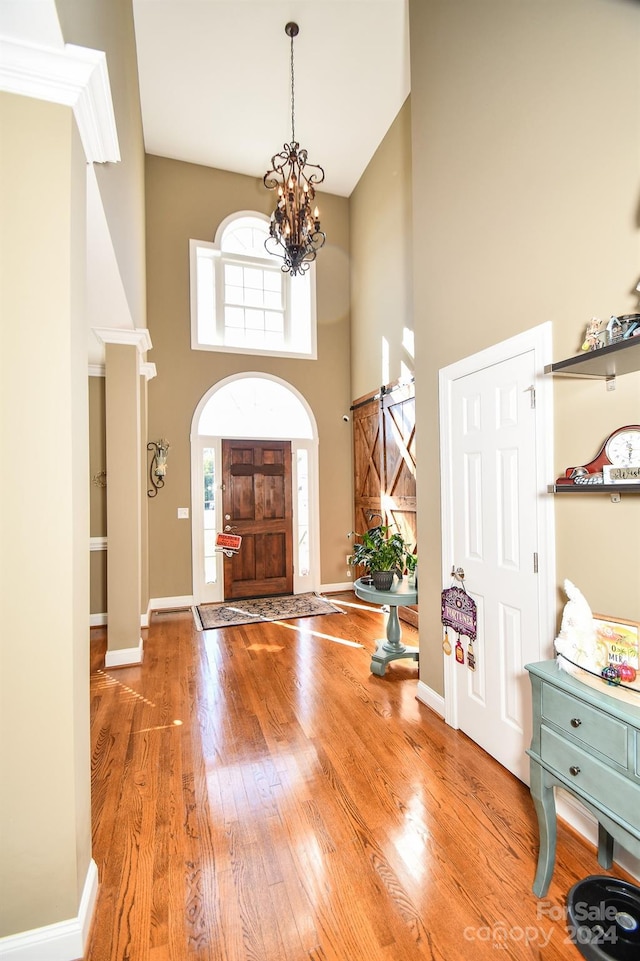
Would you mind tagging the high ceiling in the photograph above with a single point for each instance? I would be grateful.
(215, 81)
(215, 87)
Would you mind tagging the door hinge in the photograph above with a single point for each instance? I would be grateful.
(535, 562)
(532, 393)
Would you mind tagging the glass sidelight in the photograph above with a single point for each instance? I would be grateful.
(209, 515)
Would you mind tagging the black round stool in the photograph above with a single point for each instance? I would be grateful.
(604, 918)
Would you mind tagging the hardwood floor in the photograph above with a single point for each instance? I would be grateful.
(259, 795)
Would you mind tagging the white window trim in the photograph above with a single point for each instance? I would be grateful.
(310, 582)
(204, 593)
(220, 258)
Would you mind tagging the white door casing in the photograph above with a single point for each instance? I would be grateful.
(204, 592)
(498, 525)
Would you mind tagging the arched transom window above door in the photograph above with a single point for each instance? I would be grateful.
(242, 301)
(255, 406)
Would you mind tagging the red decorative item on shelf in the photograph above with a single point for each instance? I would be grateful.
(627, 673)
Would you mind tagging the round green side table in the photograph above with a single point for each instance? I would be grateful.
(390, 648)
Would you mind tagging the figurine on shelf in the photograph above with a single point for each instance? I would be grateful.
(593, 335)
(615, 330)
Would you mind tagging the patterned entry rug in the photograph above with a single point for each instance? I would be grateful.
(209, 616)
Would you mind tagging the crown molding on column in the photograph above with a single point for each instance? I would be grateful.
(73, 76)
(148, 371)
(97, 370)
(138, 337)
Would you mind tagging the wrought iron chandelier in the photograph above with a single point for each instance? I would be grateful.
(294, 232)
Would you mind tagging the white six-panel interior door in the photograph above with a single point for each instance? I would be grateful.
(496, 456)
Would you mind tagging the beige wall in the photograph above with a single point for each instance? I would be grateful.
(97, 494)
(45, 796)
(98, 583)
(45, 842)
(97, 456)
(381, 263)
(526, 128)
(188, 201)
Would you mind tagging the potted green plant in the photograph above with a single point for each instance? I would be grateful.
(381, 553)
(411, 564)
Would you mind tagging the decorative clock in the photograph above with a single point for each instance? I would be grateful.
(617, 461)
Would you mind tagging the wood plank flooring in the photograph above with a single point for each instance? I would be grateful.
(259, 795)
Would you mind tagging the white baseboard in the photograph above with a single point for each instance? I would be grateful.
(426, 695)
(100, 620)
(62, 941)
(334, 588)
(179, 603)
(576, 816)
(124, 657)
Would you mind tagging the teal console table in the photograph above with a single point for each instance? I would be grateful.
(389, 648)
(587, 742)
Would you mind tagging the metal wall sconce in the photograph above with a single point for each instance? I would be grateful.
(158, 466)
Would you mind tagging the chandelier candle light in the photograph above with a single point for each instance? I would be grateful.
(294, 233)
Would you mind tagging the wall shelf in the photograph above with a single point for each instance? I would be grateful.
(594, 488)
(611, 361)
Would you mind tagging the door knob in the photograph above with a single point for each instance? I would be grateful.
(575, 722)
(574, 769)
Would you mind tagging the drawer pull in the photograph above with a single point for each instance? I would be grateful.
(575, 722)
(574, 769)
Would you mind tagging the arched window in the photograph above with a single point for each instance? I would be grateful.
(242, 301)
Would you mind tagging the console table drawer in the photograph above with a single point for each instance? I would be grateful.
(587, 724)
(604, 786)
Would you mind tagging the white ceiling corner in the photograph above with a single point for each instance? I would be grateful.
(215, 81)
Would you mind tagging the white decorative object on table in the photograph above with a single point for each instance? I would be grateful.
(577, 638)
(598, 650)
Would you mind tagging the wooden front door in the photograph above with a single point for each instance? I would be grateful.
(257, 504)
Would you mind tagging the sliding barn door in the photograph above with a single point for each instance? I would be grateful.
(398, 411)
(384, 455)
(257, 504)
(367, 462)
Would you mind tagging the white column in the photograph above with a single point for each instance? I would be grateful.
(124, 441)
(148, 372)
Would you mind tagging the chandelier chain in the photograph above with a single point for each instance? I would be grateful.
(293, 103)
(295, 235)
